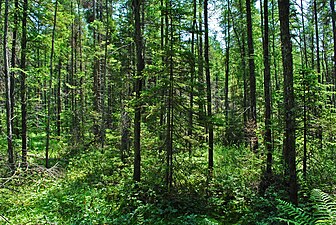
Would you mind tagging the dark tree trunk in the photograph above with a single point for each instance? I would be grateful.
(243, 63)
(103, 85)
(192, 76)
(289, 152)
(276, 79)
(304, 66)
(267, 92)
(208, 83)
(8, 90)
(253, 100)
(200, 74)
(333, 13)
(169, 134)
(59, 102)
(138, 87)
(50, 85)
(23, 83)
(13, 65)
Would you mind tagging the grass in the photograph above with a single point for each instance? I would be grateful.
(91, 186)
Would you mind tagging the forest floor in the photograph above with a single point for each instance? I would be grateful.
(93, 186)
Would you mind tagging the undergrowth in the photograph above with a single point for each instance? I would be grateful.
(93, 186)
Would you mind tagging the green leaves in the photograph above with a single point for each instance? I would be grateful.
(323, 210)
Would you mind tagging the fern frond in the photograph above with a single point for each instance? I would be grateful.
(325, 207)
(297, 215)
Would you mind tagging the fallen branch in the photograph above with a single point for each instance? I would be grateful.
(5, 219)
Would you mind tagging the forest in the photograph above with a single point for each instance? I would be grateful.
(168, 112)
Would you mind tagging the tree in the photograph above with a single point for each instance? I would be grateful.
(333, 20)
(138, 87)
(253, 100)
(48, 131)
(23, 83)
(267, 91)
(289, 152)
(8, 90)
(208, 83)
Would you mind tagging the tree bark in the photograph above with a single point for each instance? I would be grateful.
(318, 63)
(23, 83)
(192, 77)
(200, 72)
(267, 92)
(305, 122)
(227, 67)
(8, 90)
(59, 101)
(253, 100)
(333, 14)
(289, 152)
(138, 39)
(169, 134)
(50, 85)
(208, 83)
(13, 65)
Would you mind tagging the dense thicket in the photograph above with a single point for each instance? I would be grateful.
(157, 105)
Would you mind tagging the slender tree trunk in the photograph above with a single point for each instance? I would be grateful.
(243, 65)
(208, 83)
(50, 85)
(277, 85)
(333, 13)
(200, 68)
(23, 83)
(169, 134)
(138, 88)
(192, 73)
(304, 66)
(103, 89)
(227, 67)
(318, 63)
(267, 92)
(289, 152)
(253, 100)
(13, 65)
(8, 90)
(59, 102)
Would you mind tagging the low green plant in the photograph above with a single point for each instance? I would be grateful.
(322, 210)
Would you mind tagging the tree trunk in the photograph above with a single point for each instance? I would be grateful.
(289, 152)
(208, 83)
(59, 102)
(201, 112)
(8, 91)
(13, 65)
(227, 67)
(50, 85)
(267, 92)
(169, 134)
(192, 76)
(138, 87)
(253, 100)
(318, 63)
(333, 13)
(23, 83)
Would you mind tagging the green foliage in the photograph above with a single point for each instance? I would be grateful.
(323, 208)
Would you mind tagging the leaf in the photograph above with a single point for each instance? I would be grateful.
(70, 86)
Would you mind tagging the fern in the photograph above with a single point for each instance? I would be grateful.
(324, 207)
(297, 215)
